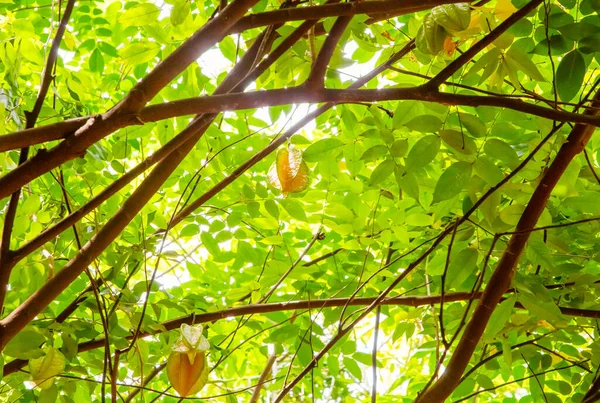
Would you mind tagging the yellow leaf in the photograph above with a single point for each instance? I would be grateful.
(504, 9)
(43, 369)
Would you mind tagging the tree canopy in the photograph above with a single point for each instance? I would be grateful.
(260, 200)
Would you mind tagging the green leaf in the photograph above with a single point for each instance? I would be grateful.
(512, 214)
(425, 124)
(431, 36)
(25, 345)
(462, 265)
(140, 15)
(578, 30)
(273, 240)
(49, 395)
(453, 17)
(419, 220)
(352, 367)
(569, 75)
(538, 251)
(272, 208)
(399, 148)
(542, 309)
(108, 49)
(589, 44)
(491, 58)
(138, 53)
(405, 111)
(322, 149)
(452, 181)
(558, 45)
(499, 150)
(488, 171)
(210, 244)
(499, 317)
(585, 203)
(374, 153)
(381, 173)
(189, 230)
(180, 12)
(473, 124)
(409, 185)
(524, 63)
(96, 61)
(294, 208)
(485, 382)
(43, 369)
(459, 141)
(423, 152)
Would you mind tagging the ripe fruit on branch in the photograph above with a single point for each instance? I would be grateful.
(289, 173)
(186, 367)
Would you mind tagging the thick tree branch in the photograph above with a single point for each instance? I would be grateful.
(390, 7)
(258, 99)
(316, 79)
(503, 274)
(286, 96)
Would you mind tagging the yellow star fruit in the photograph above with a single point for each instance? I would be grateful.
(289, 173)
(186, 366)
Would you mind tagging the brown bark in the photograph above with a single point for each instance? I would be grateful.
(249, 100)
(336, 10)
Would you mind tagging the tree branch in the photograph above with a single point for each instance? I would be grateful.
(316, 79)
(336, 10)
(286, 96)
(411, 301)
(263, 378)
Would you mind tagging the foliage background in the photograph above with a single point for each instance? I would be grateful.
(389, 179)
